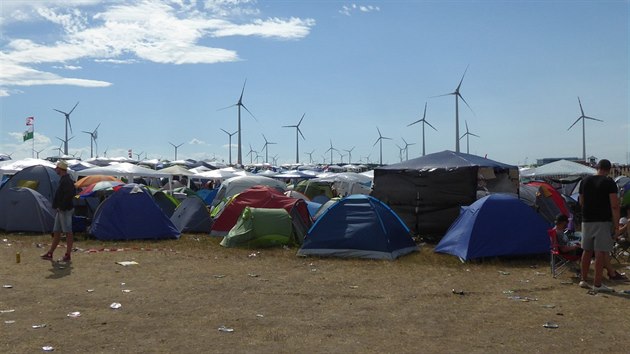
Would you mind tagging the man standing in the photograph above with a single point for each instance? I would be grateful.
(600, 210)
(62, 203)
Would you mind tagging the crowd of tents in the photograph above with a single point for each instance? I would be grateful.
(471, 207)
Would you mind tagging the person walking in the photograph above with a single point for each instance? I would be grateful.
(600, 227)
(62, 203)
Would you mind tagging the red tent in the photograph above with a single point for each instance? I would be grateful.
(260, 197)
(552, 193)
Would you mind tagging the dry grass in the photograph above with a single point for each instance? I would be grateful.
(183, 291)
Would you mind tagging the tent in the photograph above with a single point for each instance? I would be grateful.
(359, 226)
(257, 227)
(560, 169)
(130, 213)
(496, 225)
(427, 192)
(347, 183)
(547, 191)
(41, 178)
(192, 215)
(26, 210)
(262, 197)
(235, 185)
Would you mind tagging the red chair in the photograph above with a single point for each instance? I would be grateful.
(559, 261)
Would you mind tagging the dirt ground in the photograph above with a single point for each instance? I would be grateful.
(181, 292)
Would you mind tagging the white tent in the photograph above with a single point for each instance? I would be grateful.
(126, 170)
(560, 169)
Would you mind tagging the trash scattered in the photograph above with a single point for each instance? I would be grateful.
(259, 315)
(74, 314)
(550, 325)
(255, 254)
(127, 263)
(566, 282)
(314, 270)
(9, 322)
(219, 276)
(48, 348)
(508, 292)
(549, 306)
(5, 240)
(226, 329)
(502, 272)
(253, 275)
(123, 284)
(39, 245)
(626, 292)
(7, 311)
(540, 273)
(39, 326)
(7, 286)
(126, 291)
(458, 292)
(115, 305)
(354, 286)
(90, 290)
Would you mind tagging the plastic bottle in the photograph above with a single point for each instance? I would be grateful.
(17, 257)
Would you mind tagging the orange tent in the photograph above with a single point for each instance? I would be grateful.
(86, 181)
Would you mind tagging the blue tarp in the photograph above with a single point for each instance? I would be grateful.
(130, 213)
(496, 225)
(359, 226)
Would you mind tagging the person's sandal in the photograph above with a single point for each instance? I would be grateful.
(47, 256)
(66, 258)
(618, 276)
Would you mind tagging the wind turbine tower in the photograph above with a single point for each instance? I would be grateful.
(467, 134)
(380, 140)
(67, 115)
(239, 104)
(424, 122)
(457, 97)
(93, 137)
(266, 147)
(298, 132)
(229, 143)
(176, 147)
(583, 117)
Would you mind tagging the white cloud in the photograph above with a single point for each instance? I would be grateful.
(348, 10)
(167, 31)
(196, 141)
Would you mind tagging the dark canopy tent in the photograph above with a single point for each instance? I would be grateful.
(427, 192)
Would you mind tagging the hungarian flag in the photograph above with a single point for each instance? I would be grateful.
(28, 134)
(29, 120)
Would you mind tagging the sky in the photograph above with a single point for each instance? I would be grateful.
(154, 73)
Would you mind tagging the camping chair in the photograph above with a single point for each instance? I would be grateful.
(621, 248)
(559, 261)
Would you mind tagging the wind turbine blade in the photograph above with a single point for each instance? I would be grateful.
(580, 102)
(224, 108)
(574, 123)
(466, 122)
(460, 81)
(429, 124)
(300, 122)
(75, 106)
(460, 96)
(418, 121)
(376, 142)
(240, 99)
(225, 131)
(95, 129)
(424, 115)
(299, 131)
(242, 105)
(69, 123)
(474, 135)
(591, 118)
(386, 138)
(64, 113)
(446, 94)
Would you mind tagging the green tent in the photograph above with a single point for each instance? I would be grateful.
(260, 227)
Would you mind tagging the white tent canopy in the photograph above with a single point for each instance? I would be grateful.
(124, 169)
(560, 169)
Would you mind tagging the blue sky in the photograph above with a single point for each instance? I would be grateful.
(154, 72)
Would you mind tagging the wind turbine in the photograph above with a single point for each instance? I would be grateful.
(406, 147)
(583, 117)
(37, 152)
(266, 147)
(239, 104)
(380, 139)
(350, 155)
(229, 142)
(310, 156)
(467, 134)
(423, 121)
(105, 152)
(331, 149)
(251, 154)
(65, 145)
(341, 156)
(93, 137)
(138, 155)
(298, 132)
(457, 97)
(400, 152)
(274, 158)
(176, 147)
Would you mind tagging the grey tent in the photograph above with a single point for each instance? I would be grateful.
(40, 178)
(192, 215)
(26, 210)
(427, 192)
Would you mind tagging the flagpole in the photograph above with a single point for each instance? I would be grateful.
(33, 148)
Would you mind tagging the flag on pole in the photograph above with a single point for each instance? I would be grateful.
(28, 134)
(29, 120)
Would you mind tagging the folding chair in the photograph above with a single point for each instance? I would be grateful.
(621, 248)
(559, 261)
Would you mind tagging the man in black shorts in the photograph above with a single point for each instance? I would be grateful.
(600, 210)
